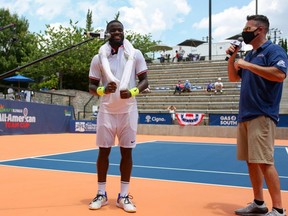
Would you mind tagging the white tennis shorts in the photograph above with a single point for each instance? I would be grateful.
(123, 126)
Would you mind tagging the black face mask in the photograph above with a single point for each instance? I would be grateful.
(249, 36)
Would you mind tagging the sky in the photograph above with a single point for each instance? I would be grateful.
(168, 21)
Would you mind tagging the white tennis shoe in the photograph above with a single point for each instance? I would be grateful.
(99, 201)
(125, 203)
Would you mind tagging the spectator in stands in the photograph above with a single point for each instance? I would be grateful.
(181, 53)
(262, 73)
(28, 95)
(168, 56)
(172, 110)
(179, 87)
(218, 86)
(10, 93)
(118, 112)
(162, 56)
(176, 56)
(187, 86)
(210, 86)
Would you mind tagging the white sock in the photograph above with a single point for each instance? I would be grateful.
(124, 188)
(101, 188)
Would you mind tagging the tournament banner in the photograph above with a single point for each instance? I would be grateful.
(83, 126)
(155, 118)
(19, 117)
(189, 118)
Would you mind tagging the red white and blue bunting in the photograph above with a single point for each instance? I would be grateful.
(189, 118)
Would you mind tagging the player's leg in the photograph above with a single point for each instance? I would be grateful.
(105, 140)
(127, 125)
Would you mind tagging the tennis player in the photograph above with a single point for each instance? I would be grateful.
(113, 77)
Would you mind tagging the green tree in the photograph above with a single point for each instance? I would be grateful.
(141, 42)
(71, 66)
(16, 42)
(58, 57)
(283, 43)
(89, 21)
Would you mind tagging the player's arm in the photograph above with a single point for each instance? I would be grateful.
(95, 89)
(143, 82)
(93, 85)
(141, 86)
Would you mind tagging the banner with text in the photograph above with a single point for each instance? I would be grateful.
(155, 118)
(18, 117)
(232, 120)
(223, 119)
(83, 126)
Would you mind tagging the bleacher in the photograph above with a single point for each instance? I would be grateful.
(164, 77)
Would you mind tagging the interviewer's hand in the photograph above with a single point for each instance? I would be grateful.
(110, 88)
(232, 51)
(124, 94)
(241, 63)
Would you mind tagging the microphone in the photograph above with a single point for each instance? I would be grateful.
(7, 26)
(236, 43)
(100, 35)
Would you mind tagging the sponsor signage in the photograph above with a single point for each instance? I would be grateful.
(82, 126)
(232, 120)
(155, 118)
(18, 117)
(223, 119)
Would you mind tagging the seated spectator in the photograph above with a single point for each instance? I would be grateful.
(218, 85)
(168, 57)
(162, 56)
(179, 87)
(210, 86)
(187, 86)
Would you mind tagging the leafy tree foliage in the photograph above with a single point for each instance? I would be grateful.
(16, 42)
(141, 42)
(283, 43)
(89, 21)
(72, 53)
(58, 57)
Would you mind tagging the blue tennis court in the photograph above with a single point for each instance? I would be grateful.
(205, 163)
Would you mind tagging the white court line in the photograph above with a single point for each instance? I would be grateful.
(156, 167)
(286, 150)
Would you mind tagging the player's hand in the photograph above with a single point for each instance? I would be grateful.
(110, 88)
(124, 94)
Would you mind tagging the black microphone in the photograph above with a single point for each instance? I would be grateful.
(236, 43)
(7, 26)
(100, 35)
